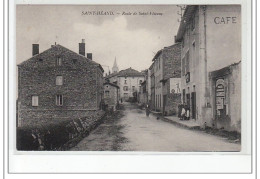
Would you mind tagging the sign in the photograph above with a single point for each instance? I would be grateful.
(187, 76)
(220, 93)
(220, 103)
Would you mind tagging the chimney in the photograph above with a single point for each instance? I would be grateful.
(89, 56)
(35, 49)
(82, 47)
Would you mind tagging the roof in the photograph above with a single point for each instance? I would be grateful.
(112, 75)
(161, 51)
(54, 50)
(129, 72)
(157, 54)
(111, 84)
(187, 16)
(223, 71)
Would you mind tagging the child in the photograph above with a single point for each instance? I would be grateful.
(183, 112)
(188, 114)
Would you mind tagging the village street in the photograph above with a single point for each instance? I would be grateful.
(131, 130)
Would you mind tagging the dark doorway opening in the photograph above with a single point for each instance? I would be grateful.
(193, 105)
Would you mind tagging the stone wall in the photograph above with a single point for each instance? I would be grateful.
(172, 61)
(56, 134)
(172, 100)
(81, 89)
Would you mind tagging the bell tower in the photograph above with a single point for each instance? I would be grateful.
(115, 67)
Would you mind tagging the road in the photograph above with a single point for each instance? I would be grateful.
(131, 130)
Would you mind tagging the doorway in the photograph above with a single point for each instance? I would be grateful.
(193, 105)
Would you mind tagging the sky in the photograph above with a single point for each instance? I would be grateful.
(132, 39)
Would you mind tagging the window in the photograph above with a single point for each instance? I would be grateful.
(125, 81)
(188, 30)
(183, 66)
(125, 88)
(59, 80)
(187, 62)
(59, 100)
(193, 24)
(160, 100)
(106, 93)
(183, 96)
(35, 101)
(58, 61)
(75, 60)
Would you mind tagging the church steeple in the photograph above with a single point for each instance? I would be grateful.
(115, 67)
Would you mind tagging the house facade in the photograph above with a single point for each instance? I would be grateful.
(143, 94)
(129, 82)
(111, 95)
(152, 87)
(58, 83)
(167, 73)
(211, 40)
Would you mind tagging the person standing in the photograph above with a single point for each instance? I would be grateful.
(188, 114)
(147, 110)
(183, 113)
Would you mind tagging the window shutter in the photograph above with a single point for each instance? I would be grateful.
(59, 80)
(34, 100)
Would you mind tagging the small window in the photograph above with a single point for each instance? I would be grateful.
(106, 93)
(59, 100)
(193, 45)
(35, 101)
(58, 61)
(75, 60)
(59, 80)
(125, 88)
(193, 24)
(125, 81)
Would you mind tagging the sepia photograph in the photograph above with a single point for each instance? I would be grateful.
(139, 78)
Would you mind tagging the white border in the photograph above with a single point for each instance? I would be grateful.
(139, 162)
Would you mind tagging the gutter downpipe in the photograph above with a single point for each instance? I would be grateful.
(205, 57)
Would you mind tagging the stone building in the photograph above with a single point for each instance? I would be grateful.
(211, 40)
(143, 94)
(225, 88)
(111, 95)
(167, 73)
(58, 84)
(151, 93)
(129, 82)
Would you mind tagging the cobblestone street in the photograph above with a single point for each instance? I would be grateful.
(130, 130)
